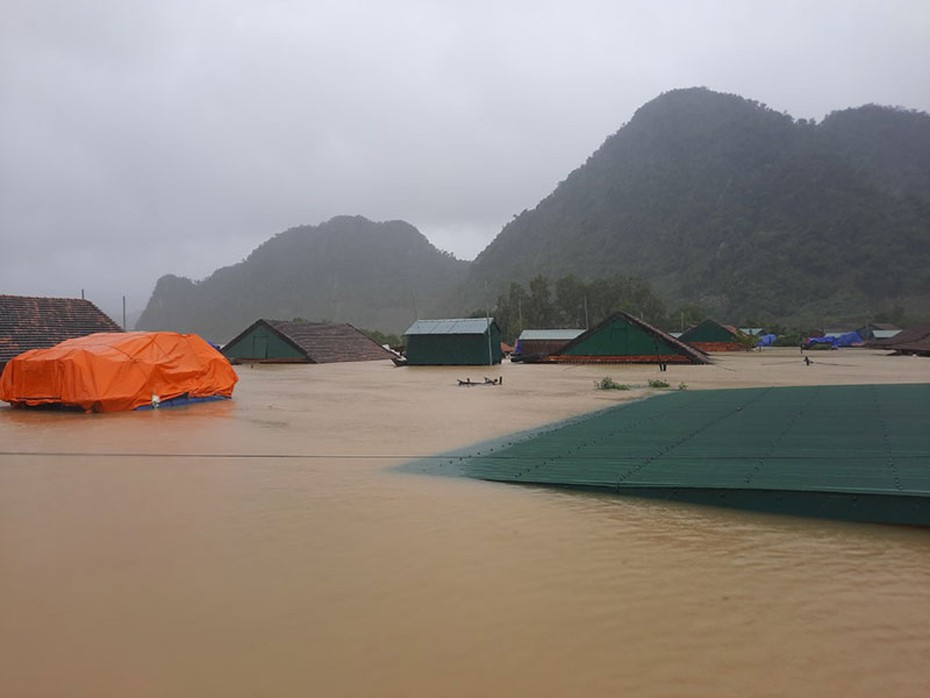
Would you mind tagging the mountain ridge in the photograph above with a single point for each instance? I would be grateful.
(327, 272)
(697, 180)
(717, 201)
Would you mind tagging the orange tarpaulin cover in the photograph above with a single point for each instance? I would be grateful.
(111, 371)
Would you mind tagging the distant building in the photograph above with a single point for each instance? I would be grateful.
(873, 331)
(834, 333)
(765, 340)
(624, 338)
(544, 342)
(281, 341)
(914, 341)
(39, 323)
(710, 335)
(454, 342)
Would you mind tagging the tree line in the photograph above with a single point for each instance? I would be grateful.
(570, 302)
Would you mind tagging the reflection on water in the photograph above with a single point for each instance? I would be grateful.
(266, 547)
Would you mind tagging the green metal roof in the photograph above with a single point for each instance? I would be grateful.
(544, 335)
(450, 326)
(852, 452)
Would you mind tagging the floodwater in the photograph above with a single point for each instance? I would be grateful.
(269, 546)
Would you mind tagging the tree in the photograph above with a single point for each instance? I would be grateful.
(538, 311)
(571, 302)
(576, 304)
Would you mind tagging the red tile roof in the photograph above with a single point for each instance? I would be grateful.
(329, 343)
(322, 342)
(38, 323)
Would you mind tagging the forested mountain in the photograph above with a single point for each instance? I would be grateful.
(348, 269)
(723, 203)
(703, 204)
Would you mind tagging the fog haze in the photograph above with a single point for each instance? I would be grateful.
(139, 139)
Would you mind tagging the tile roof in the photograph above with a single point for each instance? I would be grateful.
(914, 339)
(38, 323)
(912, 334)
(325, 342)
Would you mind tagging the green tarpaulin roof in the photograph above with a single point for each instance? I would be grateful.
(855, 452)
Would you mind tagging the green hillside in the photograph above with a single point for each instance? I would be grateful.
(348, 269)
(720, 202)
(704, 204)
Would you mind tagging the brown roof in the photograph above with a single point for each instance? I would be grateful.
(324, 342)
(38, 323)
(919, 347)
(916, 339)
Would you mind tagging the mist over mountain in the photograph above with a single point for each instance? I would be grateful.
(721, 202)
(348, 269)
(716, 201)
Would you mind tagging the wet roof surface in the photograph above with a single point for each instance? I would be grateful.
(863, 440)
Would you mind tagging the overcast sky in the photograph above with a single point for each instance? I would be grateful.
(139, 138)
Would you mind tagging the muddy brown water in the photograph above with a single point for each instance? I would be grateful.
(268, 546)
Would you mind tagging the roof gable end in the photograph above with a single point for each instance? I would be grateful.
(656, 344)
(28, 322)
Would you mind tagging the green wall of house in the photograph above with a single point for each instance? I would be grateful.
(708, 332)
(453, 349)
(262, 343)
(620, 338)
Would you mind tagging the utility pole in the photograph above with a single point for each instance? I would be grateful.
(487, 309)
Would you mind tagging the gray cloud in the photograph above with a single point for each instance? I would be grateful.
(139, 138)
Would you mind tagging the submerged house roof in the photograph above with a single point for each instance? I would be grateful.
(710, 335)
(112, 371)
(533, 343)
(752, 448)
(303, 342)
(549, 335)
(453, 342)
(914, 340)
(878, 330)
(450, 326)
(39, 323)
(624, 338)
